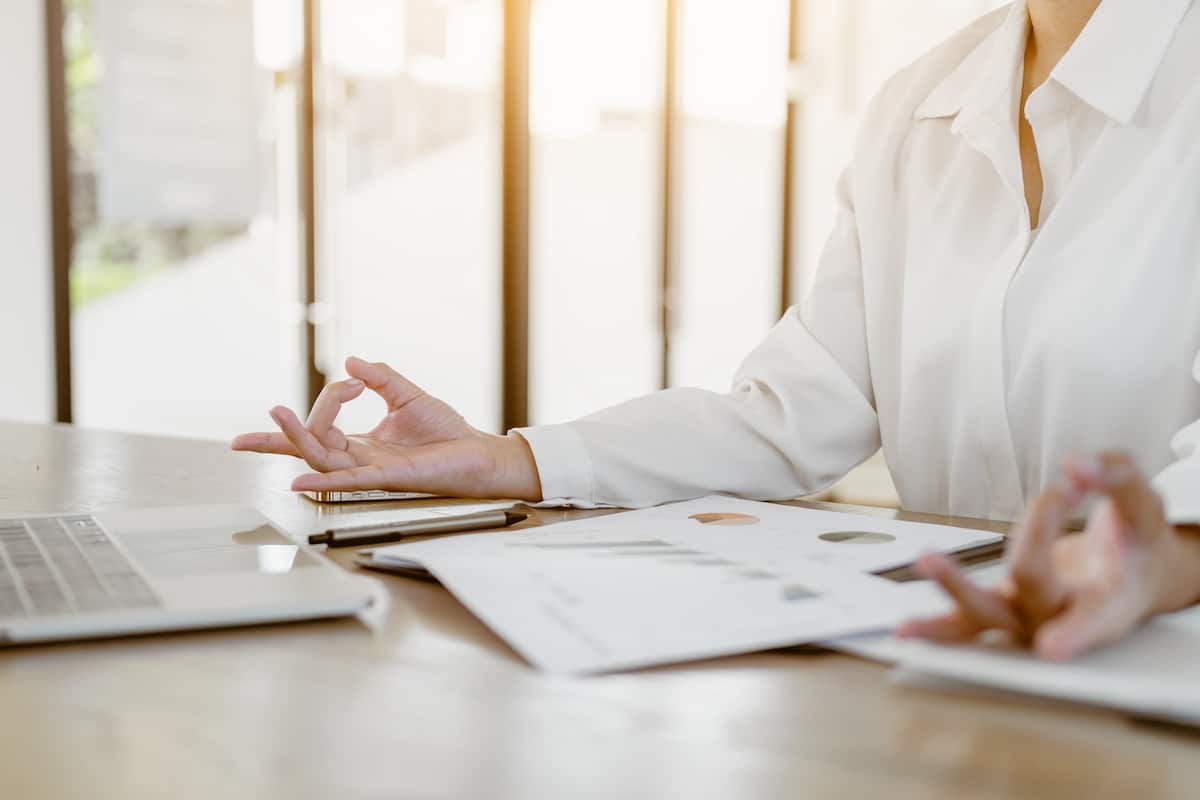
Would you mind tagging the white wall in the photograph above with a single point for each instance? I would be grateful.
(26, 311)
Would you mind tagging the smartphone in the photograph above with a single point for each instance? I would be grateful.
(369, 496)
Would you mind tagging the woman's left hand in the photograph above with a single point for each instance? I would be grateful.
(1069, 593)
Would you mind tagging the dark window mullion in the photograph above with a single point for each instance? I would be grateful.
(515, 213)
(306, 166)
(791, 203)
(62, 238)
(668, 227)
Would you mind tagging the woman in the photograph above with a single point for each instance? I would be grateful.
(1013, 277)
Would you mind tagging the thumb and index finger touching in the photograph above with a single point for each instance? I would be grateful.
(1094, 616)
(1117, 477)
(1041, 593)
(1072, 624)
(394, 388)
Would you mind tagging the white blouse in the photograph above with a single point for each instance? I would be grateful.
(939, 326)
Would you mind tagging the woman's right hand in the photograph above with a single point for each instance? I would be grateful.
(1068, 593)
(421, 444)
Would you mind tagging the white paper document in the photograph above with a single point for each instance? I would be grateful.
(1151, 673)
(691, 580)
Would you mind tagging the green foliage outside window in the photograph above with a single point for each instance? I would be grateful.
(109, 257)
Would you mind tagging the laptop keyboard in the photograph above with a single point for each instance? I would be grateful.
(59, 565)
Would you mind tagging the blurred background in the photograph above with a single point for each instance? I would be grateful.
(534, 208)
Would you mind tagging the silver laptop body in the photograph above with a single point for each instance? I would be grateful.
(73, 576)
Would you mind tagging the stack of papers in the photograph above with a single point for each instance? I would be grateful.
(1151, 673)
(692, 580)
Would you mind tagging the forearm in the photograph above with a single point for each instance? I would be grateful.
(799, 416)
(687, 442)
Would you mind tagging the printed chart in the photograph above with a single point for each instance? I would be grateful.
(691, 580)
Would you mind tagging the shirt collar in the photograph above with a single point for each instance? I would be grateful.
(1110, 67)
(1113, 63)
(985, 77)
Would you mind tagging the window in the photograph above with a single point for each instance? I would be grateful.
(595, 119)
(188, 299)
(409, 148)
(184, 290)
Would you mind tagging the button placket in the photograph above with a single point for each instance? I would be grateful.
(986, 349)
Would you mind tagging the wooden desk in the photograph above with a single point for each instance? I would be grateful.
(432, 705)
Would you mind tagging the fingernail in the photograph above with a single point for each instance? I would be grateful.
(354, 383)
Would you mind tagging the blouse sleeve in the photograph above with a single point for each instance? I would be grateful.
(799, 415)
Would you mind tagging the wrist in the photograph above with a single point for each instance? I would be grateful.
(518, 471)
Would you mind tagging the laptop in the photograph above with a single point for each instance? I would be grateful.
(76, 576)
